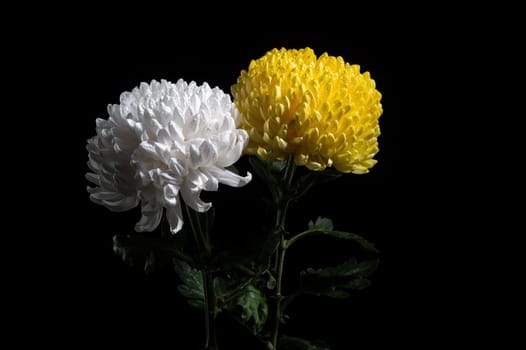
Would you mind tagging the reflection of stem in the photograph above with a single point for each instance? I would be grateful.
(202, 240)
(281, 216)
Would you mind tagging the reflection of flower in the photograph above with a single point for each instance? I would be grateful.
(322, 110)
(163, 139)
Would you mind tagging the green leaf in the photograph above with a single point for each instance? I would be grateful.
(293, 343)
(353, 237)
(335, 292)
(151, 250)
(254, 307)
(336, 281)
(324, 226)
(191, 285)
(350, 268)
(321, 224)
(221, 289)
(197, 303)
(359, 284)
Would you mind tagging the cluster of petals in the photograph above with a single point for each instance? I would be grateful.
(161, 143)
(321, 110)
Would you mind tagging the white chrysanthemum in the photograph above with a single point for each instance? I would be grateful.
(162, 140)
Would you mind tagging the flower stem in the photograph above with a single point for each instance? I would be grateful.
(281, 262)
(203, 244)
(281, 216)
(210, 311)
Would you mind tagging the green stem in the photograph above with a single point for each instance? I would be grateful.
(206, 304)
(277, 317)
(203, 242)
(301, 235)
(281, 216)
(210, 311)
(200, 232)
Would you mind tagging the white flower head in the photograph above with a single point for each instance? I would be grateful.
(162, 142)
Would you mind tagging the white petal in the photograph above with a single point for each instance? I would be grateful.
(167, 178)
(176, 130)
(145, 89)
(196, 179)
(229, 178)
(123, 204)
(93, 178)
(113, 201)
(164, 137)
(211, 184)
(228, 124)
(208, 152)
(148, 148)
(193, 124)
(205, 110)
(195, 156)
(194, 104)
(163, 151)
(177, 166)
(170, 195)
(234, 151)
(175, 218)
(104, 195)
(151, 217)
(191, 198)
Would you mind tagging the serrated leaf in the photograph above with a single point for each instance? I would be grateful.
(334, 292)
(198, 304)
(322, 224)
(254, 309)
(350, 268)
(293, 343)
(220, 288)
(359, 284)
(191, 285)
(353, 237)
(336, 281)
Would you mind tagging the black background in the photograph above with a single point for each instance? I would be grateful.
(96, 299)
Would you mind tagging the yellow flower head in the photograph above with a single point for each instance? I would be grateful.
(322, 110)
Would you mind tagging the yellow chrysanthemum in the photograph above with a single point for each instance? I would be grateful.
(322, 110)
